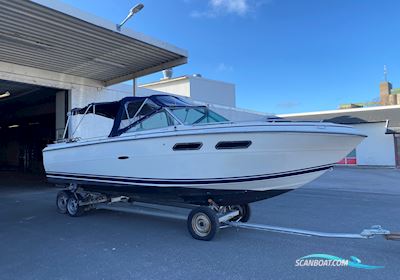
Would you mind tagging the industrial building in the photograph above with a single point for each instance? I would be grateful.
(53, 58)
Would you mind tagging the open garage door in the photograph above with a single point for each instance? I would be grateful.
(50, 51)
(29, 116)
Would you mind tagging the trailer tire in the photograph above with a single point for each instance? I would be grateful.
(203, 223)
(73, 207)
(244, 212)
(62, 200)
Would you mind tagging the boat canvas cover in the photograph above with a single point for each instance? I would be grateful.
(105, 109)
(110, 109)
(115, 110)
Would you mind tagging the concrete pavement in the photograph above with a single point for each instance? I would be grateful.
(38, 243)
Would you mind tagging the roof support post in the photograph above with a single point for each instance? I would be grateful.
(134, 86)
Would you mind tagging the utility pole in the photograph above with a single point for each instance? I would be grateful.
(385, 72)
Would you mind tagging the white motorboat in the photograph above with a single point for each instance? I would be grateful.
(163, 149)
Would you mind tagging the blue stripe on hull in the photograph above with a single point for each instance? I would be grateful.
(176, 195)
(182, 182)
(157, 190)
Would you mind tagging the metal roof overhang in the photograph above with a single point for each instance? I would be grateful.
(49, 35)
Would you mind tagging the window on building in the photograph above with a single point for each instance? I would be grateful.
(350, 159)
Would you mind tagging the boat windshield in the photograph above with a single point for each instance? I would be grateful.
(162, 112)
(196, 115)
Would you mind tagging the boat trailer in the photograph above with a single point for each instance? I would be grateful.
(203, 222)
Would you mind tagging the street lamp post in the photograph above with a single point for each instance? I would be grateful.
(132, 12)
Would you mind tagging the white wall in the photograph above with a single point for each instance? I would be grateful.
(198, 88)
(84, 95)
(377, 148)
(177, 87)
(214, 92)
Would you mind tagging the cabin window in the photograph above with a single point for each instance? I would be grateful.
(233, 145)
(187, 146)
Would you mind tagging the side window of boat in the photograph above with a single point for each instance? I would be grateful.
(188, 115)
(197, 115)
(158, 120)
(136, 110)
(131, 109)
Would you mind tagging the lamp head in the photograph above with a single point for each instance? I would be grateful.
(136, 9)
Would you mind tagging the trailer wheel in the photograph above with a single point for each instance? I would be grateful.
(244, 212)
(61, 201)
(73, 207)
(203, 223)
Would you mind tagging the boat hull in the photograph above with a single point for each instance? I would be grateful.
(223, 194)
(146, 167)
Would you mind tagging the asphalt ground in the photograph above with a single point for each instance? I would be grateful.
(38, 243)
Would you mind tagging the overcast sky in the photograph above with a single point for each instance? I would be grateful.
(283, 55)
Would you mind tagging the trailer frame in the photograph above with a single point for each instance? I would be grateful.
(218, 217)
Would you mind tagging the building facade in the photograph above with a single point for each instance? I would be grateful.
(197, 88)
(388, 95)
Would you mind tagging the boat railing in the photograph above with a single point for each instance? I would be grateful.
(67, 128)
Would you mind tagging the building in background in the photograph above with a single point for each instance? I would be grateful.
(196, 87)
(381, 125)
(220, 96)
(380, 121)
(387, 96)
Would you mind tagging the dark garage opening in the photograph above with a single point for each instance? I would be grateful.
(27, 125)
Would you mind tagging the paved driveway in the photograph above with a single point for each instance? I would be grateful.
(38, 243)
